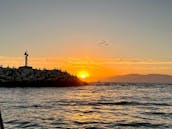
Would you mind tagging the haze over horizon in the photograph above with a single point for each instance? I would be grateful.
(102, 37)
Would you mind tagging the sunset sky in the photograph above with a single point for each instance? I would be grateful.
(102, 37)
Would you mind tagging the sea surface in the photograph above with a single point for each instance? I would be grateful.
(97, 106)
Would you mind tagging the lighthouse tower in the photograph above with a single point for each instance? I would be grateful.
(26, 58)
(26, 67)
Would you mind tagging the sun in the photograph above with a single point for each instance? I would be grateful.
(83, 74)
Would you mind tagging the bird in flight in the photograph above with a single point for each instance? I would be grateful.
(103, 43)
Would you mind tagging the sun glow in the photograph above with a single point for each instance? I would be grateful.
(83, 74)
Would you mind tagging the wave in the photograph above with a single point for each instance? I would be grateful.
(134, 103)
(22, 124)
(159, 114)
(31, 106)
(77, 122)
(124, 103)
(139, 124)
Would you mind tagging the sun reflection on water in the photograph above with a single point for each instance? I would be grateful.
(84, 107)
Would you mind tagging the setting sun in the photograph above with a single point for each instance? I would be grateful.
(83, 74)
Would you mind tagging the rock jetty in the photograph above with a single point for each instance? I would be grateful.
(26, 76)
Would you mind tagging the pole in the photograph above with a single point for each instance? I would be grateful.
(26, 60)
(1, 121)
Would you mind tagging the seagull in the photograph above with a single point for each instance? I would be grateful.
(103, 43)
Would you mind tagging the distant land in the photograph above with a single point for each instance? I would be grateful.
(139, 78)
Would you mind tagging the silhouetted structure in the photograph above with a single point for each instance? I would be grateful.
(26, 62)
(1, 121)
(26, 58)
(26, 76)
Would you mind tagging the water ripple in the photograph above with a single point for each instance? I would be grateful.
(122, 106)
(139, 124)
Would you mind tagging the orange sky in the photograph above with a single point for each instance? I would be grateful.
(97, 68)
(105, 38)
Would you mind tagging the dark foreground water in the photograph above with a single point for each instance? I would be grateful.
(116, 106)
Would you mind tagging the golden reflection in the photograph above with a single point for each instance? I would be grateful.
(81, 117)
(86, 114)
(91, 104)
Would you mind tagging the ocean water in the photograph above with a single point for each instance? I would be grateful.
(105, 106)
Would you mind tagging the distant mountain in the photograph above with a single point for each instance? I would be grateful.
(149, 78)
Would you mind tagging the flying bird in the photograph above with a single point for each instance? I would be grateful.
(103, 43)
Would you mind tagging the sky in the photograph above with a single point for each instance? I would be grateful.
(103, 37)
